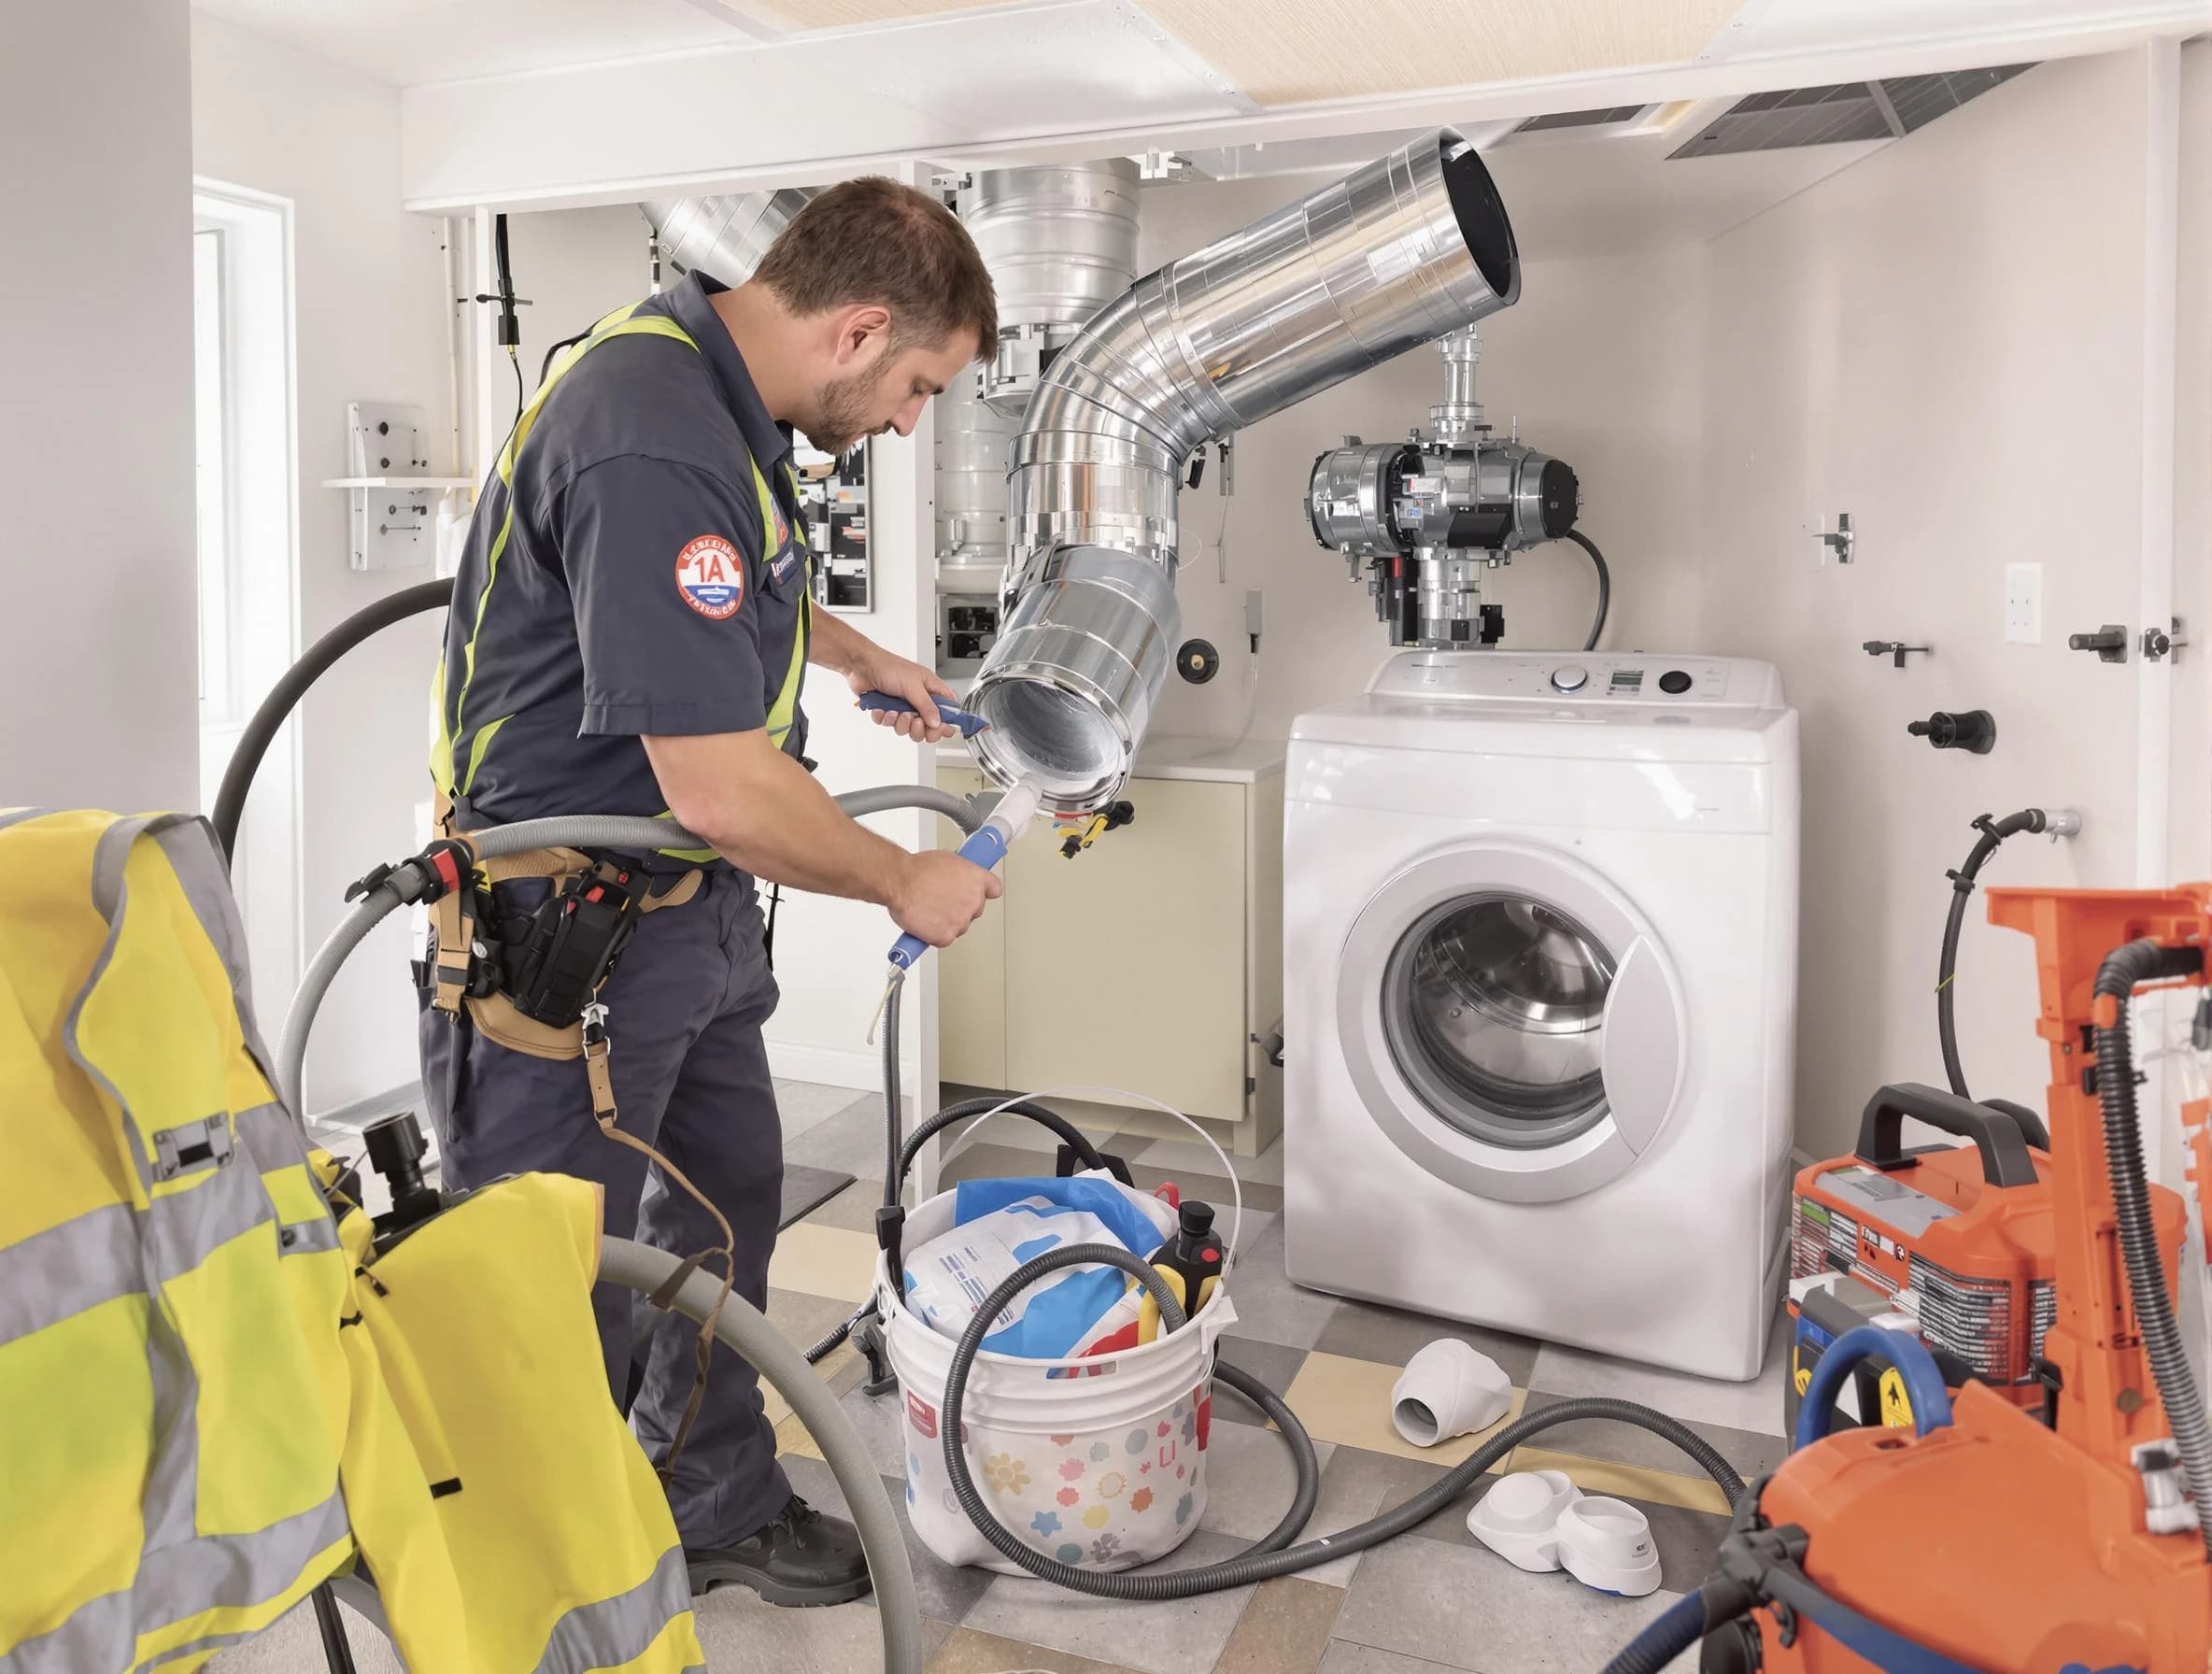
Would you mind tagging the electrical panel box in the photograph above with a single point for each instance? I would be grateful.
(836, 507)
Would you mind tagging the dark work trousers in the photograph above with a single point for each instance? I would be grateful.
(685, 1007)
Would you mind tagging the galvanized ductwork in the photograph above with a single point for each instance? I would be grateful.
(722, 237)
(1398, 253)
(1060, 244)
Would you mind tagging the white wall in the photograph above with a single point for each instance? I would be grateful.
(1945, 340)
(98, 658)
(575, 266)
(371, 327)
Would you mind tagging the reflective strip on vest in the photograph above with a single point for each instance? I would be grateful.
(616, 1632)
(456, 779)
(149, 1311)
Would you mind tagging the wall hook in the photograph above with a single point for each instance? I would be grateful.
(1891, 648)
(2156, 644)
(2110, 642)
(1839, 539)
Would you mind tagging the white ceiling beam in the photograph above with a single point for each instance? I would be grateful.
(1060, 81)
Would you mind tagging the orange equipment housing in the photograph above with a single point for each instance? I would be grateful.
(1966, 1230)
(2007, 1545)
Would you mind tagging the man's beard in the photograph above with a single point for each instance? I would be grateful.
(842, 411)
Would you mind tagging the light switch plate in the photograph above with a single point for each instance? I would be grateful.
(2023, 605)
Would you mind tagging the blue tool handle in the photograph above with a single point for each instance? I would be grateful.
(986, 847)
(969, 723)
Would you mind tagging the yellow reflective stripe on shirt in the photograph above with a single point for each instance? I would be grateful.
(784, 712)
(621, 323)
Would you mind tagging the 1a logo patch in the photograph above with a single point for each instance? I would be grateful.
(711, 576)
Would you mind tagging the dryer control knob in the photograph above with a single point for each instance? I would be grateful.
(1572, 677)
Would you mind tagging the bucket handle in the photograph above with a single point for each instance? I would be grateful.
(1229, 1173)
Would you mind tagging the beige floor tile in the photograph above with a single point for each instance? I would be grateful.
(1284, 1630)
(967, 1651)
(824, 1261)
(1626, 1481)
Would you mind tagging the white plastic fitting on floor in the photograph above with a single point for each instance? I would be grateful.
(1449, 1389)
(1539, 1520)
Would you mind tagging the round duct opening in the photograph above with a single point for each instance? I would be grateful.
(1481, 216)
(1070, 686)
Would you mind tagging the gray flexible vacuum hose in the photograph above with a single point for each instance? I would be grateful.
(1256, 1564)
(408, 884)
(2138, 962)
(742, 1329)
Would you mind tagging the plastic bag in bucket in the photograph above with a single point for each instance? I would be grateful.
(1000, 1224)
(1099, 1462)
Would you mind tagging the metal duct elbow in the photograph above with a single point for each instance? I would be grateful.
(1398, 253)
(722, 237)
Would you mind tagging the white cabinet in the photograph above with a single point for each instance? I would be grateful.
(1151, 961)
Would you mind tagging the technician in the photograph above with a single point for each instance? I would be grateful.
(630, 628)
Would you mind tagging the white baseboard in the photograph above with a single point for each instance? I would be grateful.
(834, 1066)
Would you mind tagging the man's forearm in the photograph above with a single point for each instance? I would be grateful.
(764, 812)
(835, 643)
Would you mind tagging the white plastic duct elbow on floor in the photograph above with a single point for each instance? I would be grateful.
(1450, 1388)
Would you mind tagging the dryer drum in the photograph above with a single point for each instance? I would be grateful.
(1493, 1006)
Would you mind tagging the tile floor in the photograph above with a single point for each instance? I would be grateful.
(1434, 1599)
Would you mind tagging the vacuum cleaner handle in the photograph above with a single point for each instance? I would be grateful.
(969, 723)
(2005, 1159)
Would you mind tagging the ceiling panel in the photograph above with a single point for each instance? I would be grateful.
(847, 14)
(1315, 50)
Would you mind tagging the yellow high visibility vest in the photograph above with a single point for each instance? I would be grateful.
(213, 1396)
(452, 775)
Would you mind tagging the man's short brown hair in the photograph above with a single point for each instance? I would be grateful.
(875, 240)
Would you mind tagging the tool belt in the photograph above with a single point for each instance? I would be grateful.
(531, 982)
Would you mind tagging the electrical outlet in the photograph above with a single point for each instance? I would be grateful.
(2023, 605)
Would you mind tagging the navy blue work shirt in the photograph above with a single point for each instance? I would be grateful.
(625, 583)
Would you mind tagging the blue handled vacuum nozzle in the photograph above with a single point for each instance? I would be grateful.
(966, 720)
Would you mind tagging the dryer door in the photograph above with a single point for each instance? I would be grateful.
(1512, 1021)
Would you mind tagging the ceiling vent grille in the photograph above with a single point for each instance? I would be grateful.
(1582, 119)
(1852, 110)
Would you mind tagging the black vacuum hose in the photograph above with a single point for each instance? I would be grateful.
(1605, 585)
(1994, 832)
(1679, 1628)
(2145, 961)
(1259, 1564)
(284, 697)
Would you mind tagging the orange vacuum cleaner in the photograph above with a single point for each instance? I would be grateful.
(1986, 1535)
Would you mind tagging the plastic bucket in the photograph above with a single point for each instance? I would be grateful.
(1100, 1463)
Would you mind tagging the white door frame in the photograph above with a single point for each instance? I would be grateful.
(260, 427)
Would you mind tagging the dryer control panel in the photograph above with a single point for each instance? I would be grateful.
(1582, 677)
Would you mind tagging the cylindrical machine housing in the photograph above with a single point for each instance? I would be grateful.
(1078, 664)
(971, 443)
(723, 237)
(1350, 500)
(1060, 243)
(1398, 253)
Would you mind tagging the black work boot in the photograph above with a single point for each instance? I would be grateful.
(799, 1558)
